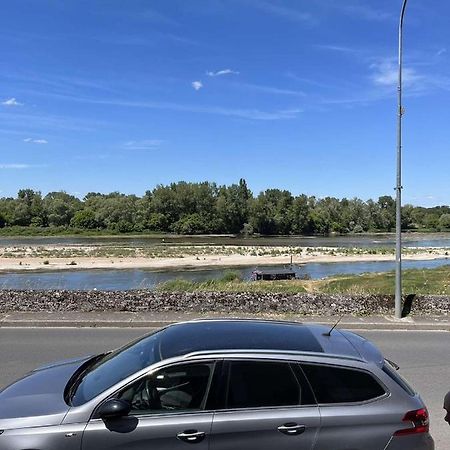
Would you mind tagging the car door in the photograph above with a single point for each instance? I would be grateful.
(266, 405)
(355, 408)
(168, 412)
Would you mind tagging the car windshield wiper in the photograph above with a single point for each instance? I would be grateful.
(78, 376)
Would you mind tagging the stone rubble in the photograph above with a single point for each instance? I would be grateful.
(214, 302)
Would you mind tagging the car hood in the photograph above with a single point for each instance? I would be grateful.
(37, 399)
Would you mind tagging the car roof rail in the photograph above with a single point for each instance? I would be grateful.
(244, 319)
(273, 352)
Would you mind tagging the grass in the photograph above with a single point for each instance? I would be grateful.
(99, 249)
(231, 282)
(180, 285)
(19, 231)
(415, 281)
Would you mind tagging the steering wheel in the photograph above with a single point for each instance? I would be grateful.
(152, 395)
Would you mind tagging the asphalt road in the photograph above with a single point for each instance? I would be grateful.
(424, 358)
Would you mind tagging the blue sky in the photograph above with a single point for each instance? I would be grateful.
(106, 95)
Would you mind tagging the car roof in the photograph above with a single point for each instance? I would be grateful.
(215, 335)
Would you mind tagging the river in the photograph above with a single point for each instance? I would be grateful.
(123, 279)
(146, 279)
(363, 241)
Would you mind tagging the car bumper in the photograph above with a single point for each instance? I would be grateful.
(422, 441)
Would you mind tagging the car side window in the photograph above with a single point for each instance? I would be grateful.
(176, 388)
(333, 384)
(257, 384)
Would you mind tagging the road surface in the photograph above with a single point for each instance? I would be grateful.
(424, 358)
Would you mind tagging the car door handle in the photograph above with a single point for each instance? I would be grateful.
(191, 436)
(291, 429)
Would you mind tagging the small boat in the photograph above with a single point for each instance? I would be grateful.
(273, 274)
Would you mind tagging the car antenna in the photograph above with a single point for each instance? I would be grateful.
(328, 333)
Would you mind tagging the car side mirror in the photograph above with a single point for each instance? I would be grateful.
(113, 408)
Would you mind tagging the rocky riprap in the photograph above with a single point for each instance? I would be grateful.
(214, 302)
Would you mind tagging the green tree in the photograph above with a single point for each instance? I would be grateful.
(444, 222)
(271, 212)
(29, 209)
(233, 206)
(60, 207)
(84, 218)
(300, 215)
(385, 220)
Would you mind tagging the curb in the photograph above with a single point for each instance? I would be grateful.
(388, 326)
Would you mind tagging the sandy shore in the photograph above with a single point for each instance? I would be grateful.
(191, 262)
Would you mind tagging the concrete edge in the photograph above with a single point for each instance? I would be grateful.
(361, 325)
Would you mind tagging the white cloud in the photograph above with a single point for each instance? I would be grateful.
(441, 51)
(222, 72)
(15, 166)
(271, 89)
(197, 85)
(338, 48)
(386, 74)
(145, 144)
(11, 102)
(35, 141)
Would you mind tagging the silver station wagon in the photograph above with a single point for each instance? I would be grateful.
(220, 385)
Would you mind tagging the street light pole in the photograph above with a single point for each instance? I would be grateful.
(398, 188)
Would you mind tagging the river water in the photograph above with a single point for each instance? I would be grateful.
(146, 279)
(363, 241)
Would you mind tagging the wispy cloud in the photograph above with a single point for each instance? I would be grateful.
(284, 12)
(35, 123)
(338, 48)
(364, 11)
(145, 144)
(270, 89)
(154, 40)
(27, 83)
(15, 166)
(254, 114)
(35, 141)
(154, 16)
(197, 85)
(308, 81)
(11, 102)
(385, 73)
(222, 72)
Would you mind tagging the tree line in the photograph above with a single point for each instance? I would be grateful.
(202, 208)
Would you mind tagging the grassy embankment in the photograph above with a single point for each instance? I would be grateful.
(33, 231)
(107, 250)
(415, 281)
(18, 231)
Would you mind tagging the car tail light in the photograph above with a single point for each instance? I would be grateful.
(418, 419)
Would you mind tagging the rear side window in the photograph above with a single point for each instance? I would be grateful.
(389, 370)
(341, 385)
(257, 384)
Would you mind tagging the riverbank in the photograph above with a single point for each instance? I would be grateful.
(414, 281)
(216, 303)
(52, 258)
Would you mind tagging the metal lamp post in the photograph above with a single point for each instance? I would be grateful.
(398, 188)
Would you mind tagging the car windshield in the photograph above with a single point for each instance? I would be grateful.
(182, 339)
(114, 367)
